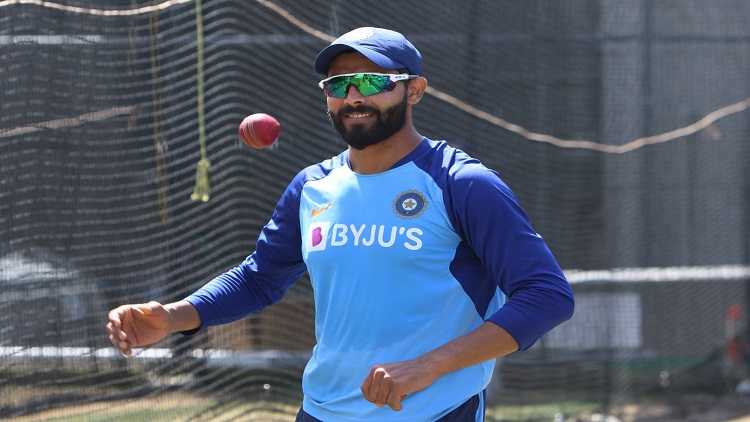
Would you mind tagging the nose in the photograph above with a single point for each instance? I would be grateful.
(353, 95)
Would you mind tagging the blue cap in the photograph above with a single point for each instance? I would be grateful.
(387, 49)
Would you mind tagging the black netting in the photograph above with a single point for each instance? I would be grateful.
(99, 142)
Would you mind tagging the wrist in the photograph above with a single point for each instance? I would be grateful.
(181, 316)
(436, 363)
(171, 310)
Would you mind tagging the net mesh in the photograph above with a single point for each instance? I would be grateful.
(619, 125)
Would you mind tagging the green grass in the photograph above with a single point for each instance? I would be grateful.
(178, 407)
(176, 413)
(535, 412)
(181, 409)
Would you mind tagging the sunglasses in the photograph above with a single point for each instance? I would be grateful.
(366, 83)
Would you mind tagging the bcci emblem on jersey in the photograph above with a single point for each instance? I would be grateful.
(410, 204)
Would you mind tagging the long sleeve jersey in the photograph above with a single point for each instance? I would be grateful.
(401, 262)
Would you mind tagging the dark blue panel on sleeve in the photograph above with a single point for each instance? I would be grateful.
(276, 263)
(498, 237)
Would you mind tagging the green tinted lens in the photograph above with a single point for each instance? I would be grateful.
(372, 84)
(337, 87)
(366, 84)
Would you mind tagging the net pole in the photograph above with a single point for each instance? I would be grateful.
(202, 190)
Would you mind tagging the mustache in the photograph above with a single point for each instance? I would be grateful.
(361, 109)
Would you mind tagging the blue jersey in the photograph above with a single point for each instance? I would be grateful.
(401, 262)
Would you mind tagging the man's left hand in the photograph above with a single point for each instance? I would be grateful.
(390, 383)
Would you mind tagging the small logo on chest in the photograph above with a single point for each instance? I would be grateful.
(320, 210)
(410, 204)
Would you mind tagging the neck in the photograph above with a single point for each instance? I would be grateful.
(383, 155)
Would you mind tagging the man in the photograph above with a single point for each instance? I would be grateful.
(424, 267)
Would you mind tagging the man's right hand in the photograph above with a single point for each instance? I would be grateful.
(138, 325)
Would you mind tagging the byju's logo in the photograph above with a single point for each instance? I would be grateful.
(323, 234)
(318, 236)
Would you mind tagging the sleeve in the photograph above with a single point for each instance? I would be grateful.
(512, 252)
(264, 276)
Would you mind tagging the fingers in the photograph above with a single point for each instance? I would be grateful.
(116, 332)
(386, 387)
(380, 389)
(394, 399)
(114, 317)
(371, 385)
(122, 346)
(129, 325)
(367, 383)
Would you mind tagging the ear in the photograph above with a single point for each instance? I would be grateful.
(416, 89)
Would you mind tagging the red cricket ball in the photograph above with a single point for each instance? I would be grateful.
(259, 130)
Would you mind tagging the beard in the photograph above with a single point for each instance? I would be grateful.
(360, 136)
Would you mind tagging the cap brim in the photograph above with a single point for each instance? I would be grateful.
(326, 56)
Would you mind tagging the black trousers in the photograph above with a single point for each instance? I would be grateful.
(467, 412)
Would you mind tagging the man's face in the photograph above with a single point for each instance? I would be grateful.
(364, 121)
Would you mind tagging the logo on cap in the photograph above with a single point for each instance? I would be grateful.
(410, 204)
(360, 34)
